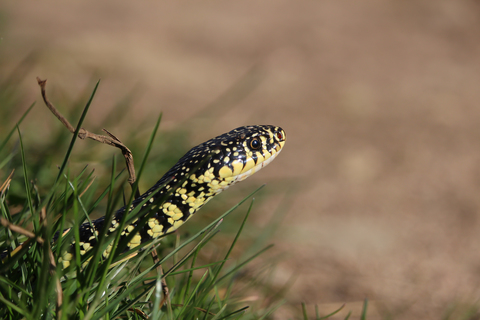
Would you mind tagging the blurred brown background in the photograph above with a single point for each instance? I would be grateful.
(380, 102)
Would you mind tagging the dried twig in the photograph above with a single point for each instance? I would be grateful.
(83, 134)
(7, 224)
(53, 267)
(165, 290)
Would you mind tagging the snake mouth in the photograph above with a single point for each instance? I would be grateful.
(244, 175)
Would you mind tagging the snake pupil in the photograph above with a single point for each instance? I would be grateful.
(255, 143)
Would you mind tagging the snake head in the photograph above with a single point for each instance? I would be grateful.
(218, 163)
(238, 154)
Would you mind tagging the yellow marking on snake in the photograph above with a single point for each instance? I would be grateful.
(225, 171)
(249, 164)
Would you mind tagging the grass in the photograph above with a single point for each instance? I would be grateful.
(105, 288)
(206, 281)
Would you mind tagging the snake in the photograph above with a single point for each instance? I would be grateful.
(202, 173)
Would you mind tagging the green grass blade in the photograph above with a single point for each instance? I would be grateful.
(234, 312)
(92, 267)
(196, 268)
(272, 310)
(244, 263)
(304, 311)
(209, 307)
(219, 313)
(9, 135)
(113, 303)
(190, 276)
(328, 315)
(15, 286)
(192, 295)
(77, 130)
(176, 265)
(25, 176)
(158, 297)
(273, 224)
(147, 153)
(217, 273)
(364, 310)
(6, 160)
(12, 305)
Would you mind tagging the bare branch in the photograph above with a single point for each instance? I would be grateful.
(7, 224)
(83, 134)
(165, 290)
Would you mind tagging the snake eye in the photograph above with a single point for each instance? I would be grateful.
(279, 136)
(255, 143)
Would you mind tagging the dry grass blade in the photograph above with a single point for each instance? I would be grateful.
(87, 187)
(139, 312)
(196, 308)
(6, 184)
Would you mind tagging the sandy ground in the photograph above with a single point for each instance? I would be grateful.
(380, 102)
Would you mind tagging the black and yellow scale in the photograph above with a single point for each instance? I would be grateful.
(204, 171)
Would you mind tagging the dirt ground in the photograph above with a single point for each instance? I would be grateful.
(380, 102)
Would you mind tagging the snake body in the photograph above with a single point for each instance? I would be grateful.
(201, 174)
